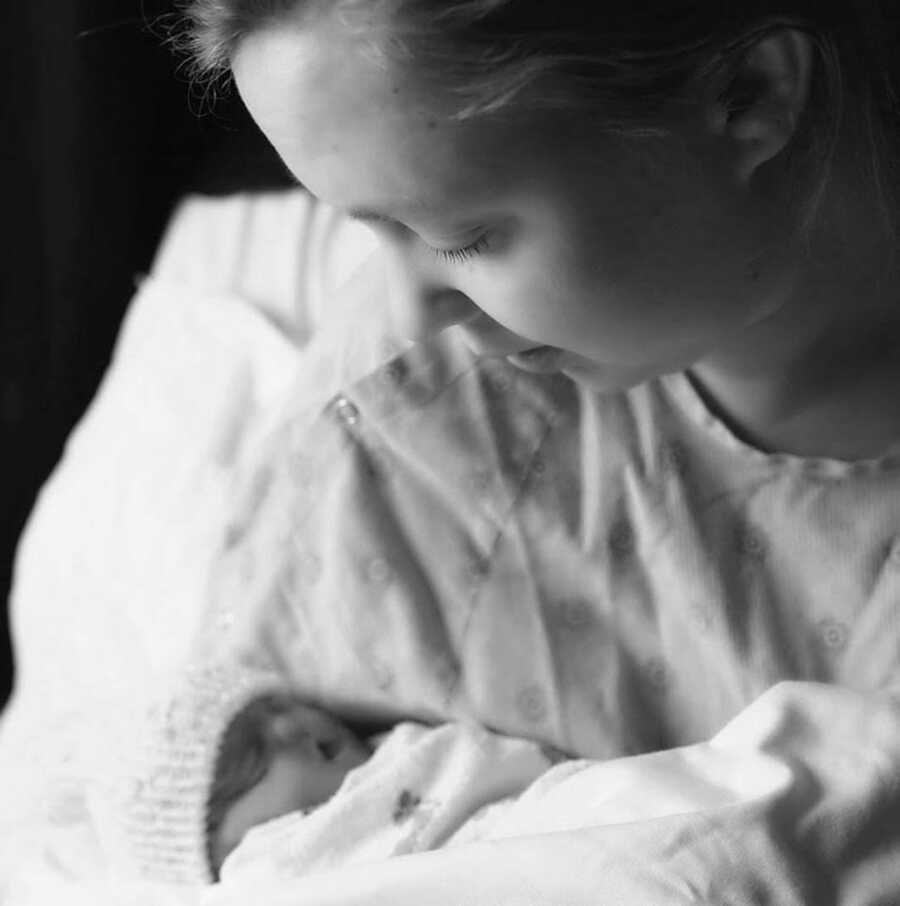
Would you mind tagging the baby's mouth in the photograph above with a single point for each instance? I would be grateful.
(540, 360)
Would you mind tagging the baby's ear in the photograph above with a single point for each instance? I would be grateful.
(758, 108)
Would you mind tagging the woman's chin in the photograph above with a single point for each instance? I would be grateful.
(604, 379)
(596, 376)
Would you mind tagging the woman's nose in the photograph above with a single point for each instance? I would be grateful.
(421, 304)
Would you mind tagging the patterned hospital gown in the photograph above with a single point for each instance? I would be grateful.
(451, 537)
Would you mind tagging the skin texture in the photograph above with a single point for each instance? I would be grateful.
(630, 258)
(298, 778)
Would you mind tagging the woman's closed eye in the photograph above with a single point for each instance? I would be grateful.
(397, 231)
(464, 253)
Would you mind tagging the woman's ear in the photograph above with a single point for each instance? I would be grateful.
(761, 103)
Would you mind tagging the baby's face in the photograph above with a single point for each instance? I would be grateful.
(299, 777)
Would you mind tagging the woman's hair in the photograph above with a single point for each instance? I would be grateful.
(268, 725)
(616, 63)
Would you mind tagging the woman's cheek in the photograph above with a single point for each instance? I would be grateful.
(533, 291)
(513, 303)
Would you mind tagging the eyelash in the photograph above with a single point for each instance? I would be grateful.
(463, 254)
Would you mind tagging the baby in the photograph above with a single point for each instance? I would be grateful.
(278, 756)
(238, 777)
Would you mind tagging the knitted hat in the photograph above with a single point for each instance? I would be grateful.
(157, 810)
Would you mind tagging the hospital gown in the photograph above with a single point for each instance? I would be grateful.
(610, 575)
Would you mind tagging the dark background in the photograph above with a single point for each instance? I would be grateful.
(100, 140)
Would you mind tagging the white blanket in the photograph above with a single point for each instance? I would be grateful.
(453, 785)
(423, 788)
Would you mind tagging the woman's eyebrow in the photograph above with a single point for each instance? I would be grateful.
(414, 209)
(367, 215)
(434, 215)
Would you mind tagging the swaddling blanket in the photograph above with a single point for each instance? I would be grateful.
(457, 784)
(419, 790)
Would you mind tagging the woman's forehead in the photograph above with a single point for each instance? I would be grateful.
(355, 132)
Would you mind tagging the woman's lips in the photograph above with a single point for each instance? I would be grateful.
(540, 360)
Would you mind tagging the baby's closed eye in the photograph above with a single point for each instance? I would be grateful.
(329, 748)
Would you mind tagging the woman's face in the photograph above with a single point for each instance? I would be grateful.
(628, 258)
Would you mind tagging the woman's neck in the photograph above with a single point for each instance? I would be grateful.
(821, 376)
(860, 422)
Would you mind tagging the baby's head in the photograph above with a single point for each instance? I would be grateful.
(228, 749)
(278, 755)
(620, 188)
